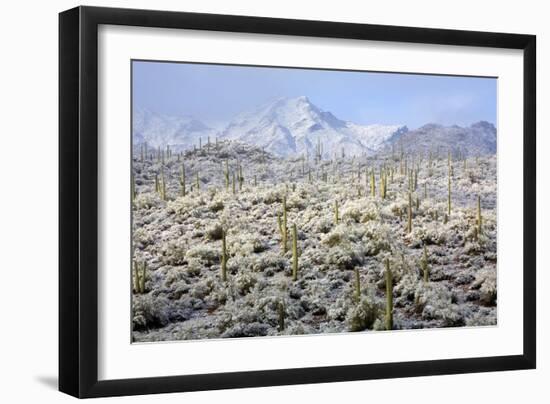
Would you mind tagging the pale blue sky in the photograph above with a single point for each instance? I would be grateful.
(216, 93)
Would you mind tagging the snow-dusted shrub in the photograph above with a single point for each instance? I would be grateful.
(435, 302)
(483, 317)
(194, 267)
(147, 201)
(216, 205)
(362, 316)
(346, 257)
(397, 208)
(296, 201)
(360, 211)
(486, 281)
(376, 238)
(214, 232)
(321, 225)
(142, 238)
(334, 238)
(204, 253)
(244, 282)
(313, 304)
(407, 285)
(173, 252)
(429, 233)
(246, 330)
(149, 311)
(272, 196)
(339, 309)
(268, 259)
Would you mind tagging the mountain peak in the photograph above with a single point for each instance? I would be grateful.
(484, 125)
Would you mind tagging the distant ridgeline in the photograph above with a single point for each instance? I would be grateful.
(291, 127)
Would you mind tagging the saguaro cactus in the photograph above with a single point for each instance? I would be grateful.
(336, 215)
(479, 218)
(198, 182)
(134, 193)
(389, 296)
(224, 256)
(409, 216)
(163, 186)
(294, 253)
(357, 284)
(281, 310)
(283, 227)
(449, 194)
(226, 175)
(382, 184)
(182, 180)
(241, 178)
(140, 277)
(425, 269)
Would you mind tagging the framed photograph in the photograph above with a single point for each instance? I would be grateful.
(251, 201)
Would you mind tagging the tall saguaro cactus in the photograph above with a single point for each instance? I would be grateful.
(182, 180)
(479, 218)
(389, 296)
(425, 268)
(449, 193)
(357, 284)
(283, 228)
(140, 277)
(134, 193)
(224, 256)
(163, 186)
(294, 253)
(226, 175)
(281, 312)
(409, 215)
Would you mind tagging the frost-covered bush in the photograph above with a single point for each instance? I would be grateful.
(173, 252)
(215, 232)
(246, 330)
(486, 282)
(427, 234)
(376, 238)
(149, 311)
(339, 309)
(147, 201)
(482, 317)
(346, 257)
(435, 302)
(204, 253)
(216, 205)
(245, 281)
(142, 238)
(334, 238)
(362, 316)
(359, 211)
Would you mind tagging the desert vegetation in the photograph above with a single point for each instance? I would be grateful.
(232, 241)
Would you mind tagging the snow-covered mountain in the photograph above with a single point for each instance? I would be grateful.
(294, 126)
(477, 139)
(158, 130)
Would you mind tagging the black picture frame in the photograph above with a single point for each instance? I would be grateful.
(78, 201)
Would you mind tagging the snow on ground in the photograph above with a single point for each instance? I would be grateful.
(179, 239)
